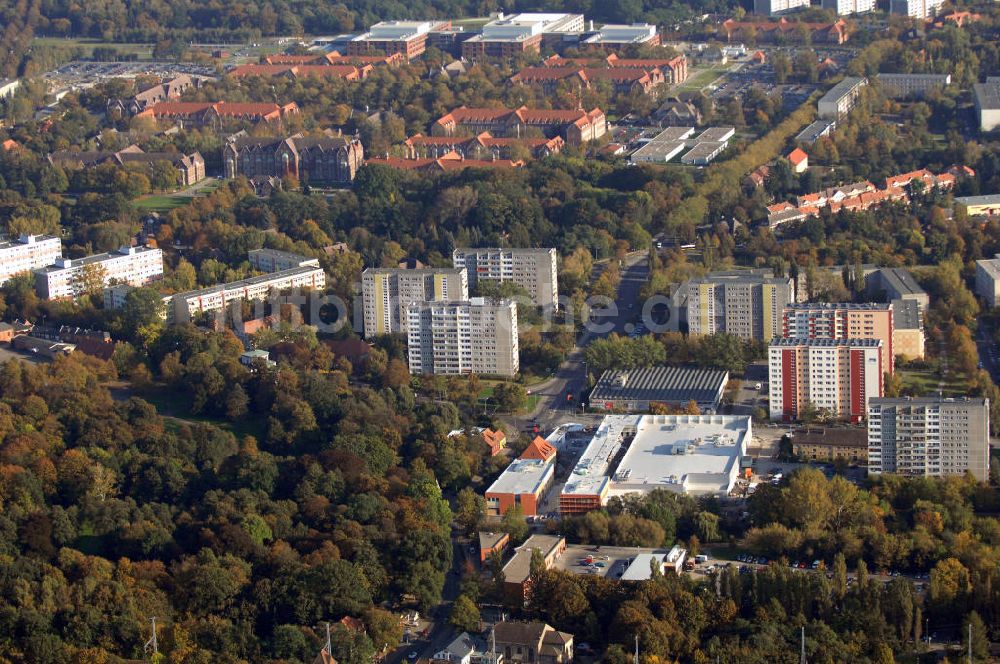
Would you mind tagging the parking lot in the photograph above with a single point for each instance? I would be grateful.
(609, 561)
(81, 75)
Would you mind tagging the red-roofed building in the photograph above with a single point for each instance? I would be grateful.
(799, 160)
(342, 71)
(201, 114)
(10, 145)
(495, 440)
(929, 180)
(539, 449)
(334, 58)
(575, 127)
(820, 33)
(759, 57)
(451, 161)
(674, 70)
(956, 18)
(624, 80)
(483, 146)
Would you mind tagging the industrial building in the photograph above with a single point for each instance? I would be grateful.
(987, 98)
(477, 336)
(836, 375)
(840, 99)
(534, 270)
(386, 292)
(704, 153)
(637, 390)
(929, 436)
(693, 454)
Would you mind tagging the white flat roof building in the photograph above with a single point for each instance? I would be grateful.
(716, 135)
(527, 24)
(69, 277)
(703, 153)
(657, 152)
(840, 99)
(275, 260)
(28, 253)
(636, 33)
(397, 30)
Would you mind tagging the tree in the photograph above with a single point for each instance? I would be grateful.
(464, 615)
(470, 509)
(980, 638)
(513, 524)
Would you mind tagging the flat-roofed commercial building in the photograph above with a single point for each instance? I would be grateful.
(901, 86)
(71, 277)
(612, 36)
(747, 303)
(826, 445)
(987, 98)
(408, 38)
(896, 283)
(842, 320)
(506, 37)
(657, 152)
(636, 390)
(185, 306)
(931, 436)
(386, 292)
(461, 337)
(27, 253)
(836, 375)
(534, 270)
(840, 99)
(704, 153)
(988, 280)
(979, 206)
(525, 481)
(693, 454)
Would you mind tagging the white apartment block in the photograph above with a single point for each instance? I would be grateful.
(774, 7)
(988, 280)
(184, 306)
(450, 338)
(136, 266)
(915, 8)
(746, 303)
(838, 375)
(116, 294)
(848, 7)
(27, 253)
(275, 260)
(386, 292)
(929, 436)
(841, 98)
(534, 270)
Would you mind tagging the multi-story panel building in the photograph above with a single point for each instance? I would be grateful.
(915, 8)
(902, 86)
(837, 375)
(841, 98)
(70, 277)
(929, 436)
(988, 280)
(534, 270)
(842, 320)
(386, 293)
(848, 7)
(184, 306)
(747, 303)
(987, 99)
(275, 260)
(28, 253)
(775, 7)
(451, 338)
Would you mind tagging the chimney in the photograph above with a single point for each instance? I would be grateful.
(591, 25)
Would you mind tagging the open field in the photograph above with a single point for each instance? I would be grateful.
(928, 382)
(174, 406)
(167, 202)
(144, 51)
(700, 78)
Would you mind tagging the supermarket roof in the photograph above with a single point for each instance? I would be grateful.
(661, 384)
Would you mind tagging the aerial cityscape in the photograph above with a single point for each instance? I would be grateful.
(627, 332)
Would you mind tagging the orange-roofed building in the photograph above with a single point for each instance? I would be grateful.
(201, 114)
(10, 145)
(575, 127)
(352, 623)
(451, 161)
(759, 57)
(799, 160)
(539, 449)
(495, 440)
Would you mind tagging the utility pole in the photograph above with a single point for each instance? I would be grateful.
(329, 643)
(636, 649)
(970, 642)
(802, 656)
(151, 645)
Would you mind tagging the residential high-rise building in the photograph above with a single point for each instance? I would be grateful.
(841, 98)
(838, 375)
(386, 292)
(71, 277)
(747, 303)
(929, 436)
(27, 253)
(475, 336)
(847, 7)
(915, 8)
(988, 280)
(842, 320)
(534, 270)
(775, 7)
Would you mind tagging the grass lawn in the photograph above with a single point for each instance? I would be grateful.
(487, 391)
(144, 51)
(170, 404)
(700, 79)
(160, 203)
(926, 381)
